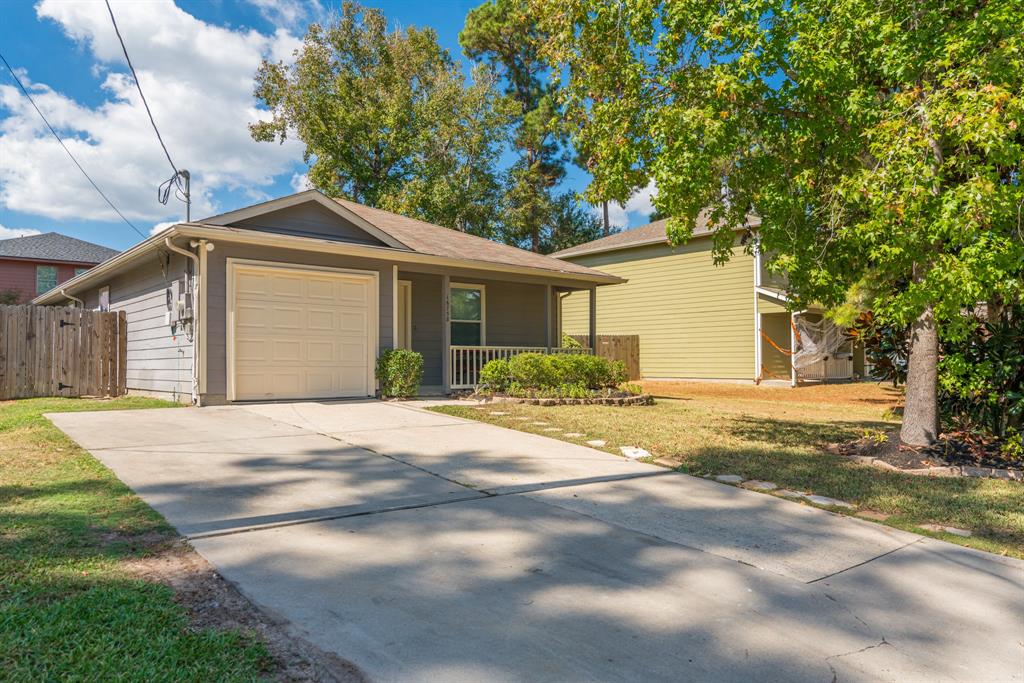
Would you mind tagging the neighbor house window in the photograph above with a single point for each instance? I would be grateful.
(467, 315)
(46, 278)
(79, 271)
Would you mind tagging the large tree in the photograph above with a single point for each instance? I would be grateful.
(503, 35)
(878, 140)
(388, 119)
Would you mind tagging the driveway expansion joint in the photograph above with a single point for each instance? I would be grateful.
(867, 561)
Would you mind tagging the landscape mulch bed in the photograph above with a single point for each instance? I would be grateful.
(953, 449)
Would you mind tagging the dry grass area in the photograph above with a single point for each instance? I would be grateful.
(778, 435)
(860, 394)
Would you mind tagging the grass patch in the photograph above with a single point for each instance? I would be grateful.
(69, 609)
(776, 435)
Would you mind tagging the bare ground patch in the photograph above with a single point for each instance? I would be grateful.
(214, 603)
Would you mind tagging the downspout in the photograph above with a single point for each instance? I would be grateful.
(196, 400)
(73, 298)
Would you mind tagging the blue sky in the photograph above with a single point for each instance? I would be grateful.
(195, 60)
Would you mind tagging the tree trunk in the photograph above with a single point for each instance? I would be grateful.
(921, 412)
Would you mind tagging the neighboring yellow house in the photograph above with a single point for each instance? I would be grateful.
(695, 320)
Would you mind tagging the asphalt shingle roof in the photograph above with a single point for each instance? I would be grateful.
(53, 246)
(427, 238)
(651, 233)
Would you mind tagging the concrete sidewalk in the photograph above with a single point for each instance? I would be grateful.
(425, 547)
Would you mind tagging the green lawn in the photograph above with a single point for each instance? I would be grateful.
(775, 435)
(69, 610)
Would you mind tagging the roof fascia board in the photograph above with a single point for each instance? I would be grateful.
(772, 293)
(301, 198)
(245, 236)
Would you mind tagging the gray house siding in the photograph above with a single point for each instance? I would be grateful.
(216, 298)
(309, 220)
(427, 328)
(159, 354)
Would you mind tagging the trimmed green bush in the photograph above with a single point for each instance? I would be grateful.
(563, 374)
(399, 372)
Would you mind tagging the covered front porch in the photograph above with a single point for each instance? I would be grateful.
(459, 321)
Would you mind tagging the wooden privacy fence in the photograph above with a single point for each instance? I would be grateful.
(624, 347)
(47, 351)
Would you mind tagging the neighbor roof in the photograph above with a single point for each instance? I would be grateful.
(652, 233)
(53, 246)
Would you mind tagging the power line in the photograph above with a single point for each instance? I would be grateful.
(164, 190)
(91, 181)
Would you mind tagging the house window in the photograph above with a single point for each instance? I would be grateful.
(46, 278)
(467, 315)
(79, 271)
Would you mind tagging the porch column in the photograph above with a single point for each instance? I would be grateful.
(446, 334)
(593, 320)
(792, 350)
(547, 317)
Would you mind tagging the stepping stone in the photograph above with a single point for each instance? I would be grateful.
(729, 478)
(667, 462)
(597, 443)
(498, 412)
(873, 514)
(574, 435)
(540, 424)
(632, 452)
(757, 485)
(786, 493)
(551, 429)
(966, 533)
(520, 419)
(825, 500)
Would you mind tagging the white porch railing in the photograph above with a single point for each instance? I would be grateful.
(465, 361)
(831, 368)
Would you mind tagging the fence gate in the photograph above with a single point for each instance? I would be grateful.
(48, 351)
(624, 347)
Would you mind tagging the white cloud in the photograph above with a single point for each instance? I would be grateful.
(8, 233)
(640, 206)
(198, 79)
(160, 227)
(300, 182)
(294, 14)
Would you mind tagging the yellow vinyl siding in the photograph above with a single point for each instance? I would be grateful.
(695, 319)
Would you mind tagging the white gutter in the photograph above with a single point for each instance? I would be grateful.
(196, 331)
(73, 298)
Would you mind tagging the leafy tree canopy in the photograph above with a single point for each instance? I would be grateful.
(879, 141)
(389, 120)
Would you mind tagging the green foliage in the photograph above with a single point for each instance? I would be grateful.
(399, 372)
(886, 347)
(561, 373)
(633, 388)
(981, 375)
(9, 296)
(570, 342)
(875, 140)
(389, 120)
(504, 35)
(496, 375)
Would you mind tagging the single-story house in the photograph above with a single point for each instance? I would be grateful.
(697, 320)
(294, 299)
(34, 264)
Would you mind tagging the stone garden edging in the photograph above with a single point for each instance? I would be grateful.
(948, 471)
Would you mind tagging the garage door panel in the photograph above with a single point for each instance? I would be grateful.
(302, 334)
(287, 286)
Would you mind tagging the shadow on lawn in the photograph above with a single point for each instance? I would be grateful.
(792, 433)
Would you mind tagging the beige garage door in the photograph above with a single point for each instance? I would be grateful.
(302, 333)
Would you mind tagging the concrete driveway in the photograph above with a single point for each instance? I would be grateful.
(428, 548)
